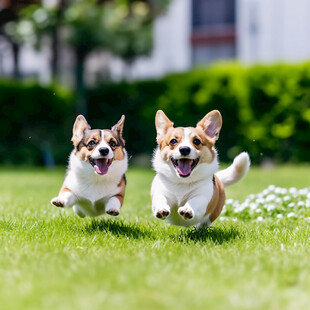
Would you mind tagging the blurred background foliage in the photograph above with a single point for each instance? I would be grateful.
(265, 109)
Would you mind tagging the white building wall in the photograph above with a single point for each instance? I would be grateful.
(273, 30)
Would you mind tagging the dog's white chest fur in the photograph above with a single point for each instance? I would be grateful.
(91, 190)
(172, 193)
(85, 184)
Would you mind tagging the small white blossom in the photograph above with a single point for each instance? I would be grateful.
(287, 198)
(300, 204)
(278, 200)
(303, 192)
(271, 207)
(270, 198)
(280, 216)
(258, 210)
(259, 219)
(291, 214)
(291, 205)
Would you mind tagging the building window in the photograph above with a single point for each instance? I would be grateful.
(213, 30)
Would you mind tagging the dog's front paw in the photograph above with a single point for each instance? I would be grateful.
(162, 214)
(186, 212)
(58, 202)
(113, 212)
(113, 207)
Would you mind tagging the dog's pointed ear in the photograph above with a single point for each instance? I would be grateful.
(211, 124)
(162, 123)
(80, 125)
(118, 128)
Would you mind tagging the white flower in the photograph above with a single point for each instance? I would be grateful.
(278, 200)
(229, 201)
(265, 192)
(291, 204)
(280, 216)
(259, 219)
(270, 197)
(258, 210)
(303, 191)
(278, 190)
(270, 207)
(291, 214)
(271, 187)
(287, 198)
(283, 191)
(251, 196)
(253, 206)
(222, 218)
(293, 190)
(260, 200)
(300, 204)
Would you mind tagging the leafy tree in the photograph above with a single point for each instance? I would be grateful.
(122, 27)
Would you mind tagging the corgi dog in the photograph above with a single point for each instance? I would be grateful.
(188, 190)
(95, 180)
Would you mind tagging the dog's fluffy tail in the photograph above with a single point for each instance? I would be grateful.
(236, 171)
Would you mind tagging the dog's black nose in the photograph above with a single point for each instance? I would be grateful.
(104, 151)
(184, 150)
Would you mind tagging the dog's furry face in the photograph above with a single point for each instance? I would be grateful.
(98, 147)
(186, 148)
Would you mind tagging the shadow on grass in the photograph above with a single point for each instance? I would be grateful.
(118, 229)
(216, 235)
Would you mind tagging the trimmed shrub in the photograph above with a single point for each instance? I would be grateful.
(34, 124)
(265, 109)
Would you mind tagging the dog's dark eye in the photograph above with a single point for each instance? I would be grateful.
(112, 143)
(173, 141)
(91, 143)
(196, 141)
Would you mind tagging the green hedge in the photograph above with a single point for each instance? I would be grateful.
(265, 109)
(35, 123)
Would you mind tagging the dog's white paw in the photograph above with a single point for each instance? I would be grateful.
(113, 207)
(113, 212)
(58, 202)
(162, 213)
(186, 212)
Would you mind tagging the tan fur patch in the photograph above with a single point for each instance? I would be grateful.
(204, 149)
(121, 194)
(111, 137)
(217, 202)
(83, 148)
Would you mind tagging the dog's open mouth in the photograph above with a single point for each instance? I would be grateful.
(184, 166)
(101, 165)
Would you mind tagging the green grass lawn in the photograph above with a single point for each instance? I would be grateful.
(51, 259)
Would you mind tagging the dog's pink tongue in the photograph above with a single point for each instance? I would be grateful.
(184, 166)
(101, 166)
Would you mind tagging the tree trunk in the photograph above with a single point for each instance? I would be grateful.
(16, 71)
(54, 60)
(81, 106)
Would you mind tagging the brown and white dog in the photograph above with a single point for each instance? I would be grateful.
(95, 180)
(187, 189)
